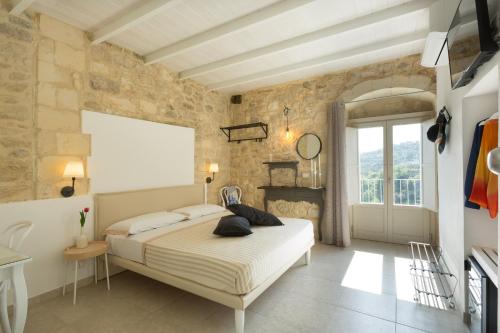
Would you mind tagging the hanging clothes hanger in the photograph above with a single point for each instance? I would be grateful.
(493, 116)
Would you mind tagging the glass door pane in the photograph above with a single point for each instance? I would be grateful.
(407, 166)
(371, 165)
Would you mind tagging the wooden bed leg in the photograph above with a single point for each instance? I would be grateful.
(307, 256)
(239, 320)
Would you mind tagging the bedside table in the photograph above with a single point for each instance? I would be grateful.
(93, 250)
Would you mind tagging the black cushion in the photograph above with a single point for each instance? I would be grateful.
(233, 225)
(254, 215)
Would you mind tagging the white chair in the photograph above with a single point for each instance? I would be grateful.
(18, 233)
(224, 194)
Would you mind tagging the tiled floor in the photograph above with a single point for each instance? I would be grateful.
(364, 288)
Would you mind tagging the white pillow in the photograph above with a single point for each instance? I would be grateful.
(141, 223)
(199, 210)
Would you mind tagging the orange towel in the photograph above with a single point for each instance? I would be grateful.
(485, 186)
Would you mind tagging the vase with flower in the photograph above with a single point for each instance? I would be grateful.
(81, 240)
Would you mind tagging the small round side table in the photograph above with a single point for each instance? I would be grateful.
(93, 250)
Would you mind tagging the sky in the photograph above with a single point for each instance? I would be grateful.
(372, 138)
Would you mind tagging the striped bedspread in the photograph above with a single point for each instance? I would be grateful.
(232, 264)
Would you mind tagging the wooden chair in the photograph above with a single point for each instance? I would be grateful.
(224, 194)
(18, 233)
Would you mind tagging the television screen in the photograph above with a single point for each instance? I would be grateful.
(470, 39)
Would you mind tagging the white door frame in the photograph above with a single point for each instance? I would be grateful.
(419, 213)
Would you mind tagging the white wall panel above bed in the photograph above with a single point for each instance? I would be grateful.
(129, 154)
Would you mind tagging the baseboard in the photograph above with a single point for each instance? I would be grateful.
(52, 294)
(459, 300)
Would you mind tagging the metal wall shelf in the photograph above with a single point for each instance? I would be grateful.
(263, 126)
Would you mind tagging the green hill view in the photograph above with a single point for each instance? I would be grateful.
(406, 174)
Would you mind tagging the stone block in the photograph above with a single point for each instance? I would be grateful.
(16, 33)
(68, 57)
(62, 32)
(73, 144)
(48, 72)
(67, 99)
(46, 143)
(16, 191)
(15, 170)
(46, 50)
(99, 68)
(16, 54)
(46, 94)
(121, 104)
(51, 168)
(104, 84)
(18, 115)
(21, 21)
(147, 107)
(50, 119)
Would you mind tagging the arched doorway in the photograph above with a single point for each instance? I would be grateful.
(390, 164)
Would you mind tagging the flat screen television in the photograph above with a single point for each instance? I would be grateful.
(471, 39)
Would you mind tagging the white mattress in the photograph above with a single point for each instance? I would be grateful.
(235, 265)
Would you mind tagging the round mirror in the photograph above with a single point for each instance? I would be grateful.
(309, 146)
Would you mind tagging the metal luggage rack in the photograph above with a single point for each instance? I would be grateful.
(431, 276)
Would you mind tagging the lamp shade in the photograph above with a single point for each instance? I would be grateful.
(74, 169)
(214, 167)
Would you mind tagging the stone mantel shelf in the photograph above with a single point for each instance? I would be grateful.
(313, 195)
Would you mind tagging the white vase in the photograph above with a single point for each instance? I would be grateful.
(81, 240)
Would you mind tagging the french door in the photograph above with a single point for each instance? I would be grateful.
(390, 208)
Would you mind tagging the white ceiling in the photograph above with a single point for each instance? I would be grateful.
(183, 19)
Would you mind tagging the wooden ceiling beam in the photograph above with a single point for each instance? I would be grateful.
(357, 23)
(224, 29)
(131, 18)
(406, 39)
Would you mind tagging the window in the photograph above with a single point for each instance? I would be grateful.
(371, 165)
(406, 159)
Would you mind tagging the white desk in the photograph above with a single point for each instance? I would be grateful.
(11, 269)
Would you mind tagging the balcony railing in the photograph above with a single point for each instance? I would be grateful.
(406, 191)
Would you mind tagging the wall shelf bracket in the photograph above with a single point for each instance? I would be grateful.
(262, 126)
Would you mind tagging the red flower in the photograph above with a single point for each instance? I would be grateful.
(86, 210)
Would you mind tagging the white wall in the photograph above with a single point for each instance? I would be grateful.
(130, 154)
(479, 228)
(450, 184)
(126, 154)
(452, 229)
(56, 223)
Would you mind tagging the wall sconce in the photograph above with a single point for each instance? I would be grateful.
(214, 167)
(73, 170)
(288, 135)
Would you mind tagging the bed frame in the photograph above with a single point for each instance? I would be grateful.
(113, 207)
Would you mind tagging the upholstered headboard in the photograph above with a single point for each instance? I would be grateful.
(113, 207)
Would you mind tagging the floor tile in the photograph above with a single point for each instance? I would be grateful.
(363, 288)
(407, 329)
(429, 319)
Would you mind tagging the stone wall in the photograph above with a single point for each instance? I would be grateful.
(17, 130)
(309, 100)
(49, 73)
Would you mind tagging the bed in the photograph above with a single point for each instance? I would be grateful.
(232, 271)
